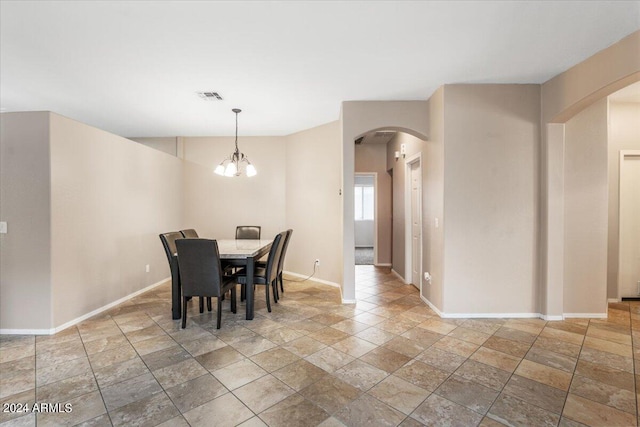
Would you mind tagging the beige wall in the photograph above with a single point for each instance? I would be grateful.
(84, 208)
(586, 211)
(169, 145)
(110, 198)
(313, 202)
(624, 134)
(215, 205)
(25, 251)
(433, 200)
(373, 158)
(490, 198)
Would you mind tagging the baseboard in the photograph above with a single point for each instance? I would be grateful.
(349, 301)
(81, 318)
(399, 276)
(302, 276)
(585, 315)
(613, 300)
(552, 318)
(430, 304)
(382, 265)
(489, 315)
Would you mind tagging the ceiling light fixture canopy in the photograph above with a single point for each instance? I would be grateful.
(237, 161)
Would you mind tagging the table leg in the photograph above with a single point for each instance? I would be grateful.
(249, 287)
(176, 302)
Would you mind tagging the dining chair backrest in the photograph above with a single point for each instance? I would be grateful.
(248, 232)
(285, 245)
(274, 256)
(200, 269)
(169, 244)
(189, 233)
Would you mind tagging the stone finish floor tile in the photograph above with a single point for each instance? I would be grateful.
(439, 411)
(331, 393)
(361, 375)
(592, 413)
(514, 412)
(367, 411)
(300, 374)
(536, 393)
(198, 391)
(399, 394)
(263, 393)
(386, 360)
(222, 411)
(295, 410)
(544, 374)
(467, 393)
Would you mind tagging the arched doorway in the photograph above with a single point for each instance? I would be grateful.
(357, 119)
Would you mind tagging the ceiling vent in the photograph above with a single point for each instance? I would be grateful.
(358, 141)
(384, 134)
(210, 96)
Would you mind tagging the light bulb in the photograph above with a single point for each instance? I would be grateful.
(219, 170)
(231, 169)
(251, 170)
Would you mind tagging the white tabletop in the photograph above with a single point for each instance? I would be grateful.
(241, 248)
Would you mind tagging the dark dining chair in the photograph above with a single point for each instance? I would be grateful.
(285, 245)
(248, 232)
(169, 243)
(189, 233)
(283, 252)
(266, 275)
(201, 275)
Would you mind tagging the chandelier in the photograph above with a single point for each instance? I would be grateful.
(237, 161)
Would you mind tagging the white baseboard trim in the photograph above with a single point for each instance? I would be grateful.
(430, 304)
(302, 276)
(349, 301)
(81, 318)
(382, 265)
(399, 276)
(585, 315)
(489, 315)
(27, 331)
(552, 318)
(613, 300)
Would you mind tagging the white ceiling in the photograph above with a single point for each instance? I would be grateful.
(132, 68)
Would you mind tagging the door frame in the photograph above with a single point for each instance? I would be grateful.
(375, 213)
(408, 250)
(623, 154)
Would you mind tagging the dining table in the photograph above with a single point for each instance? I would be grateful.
(237, 252)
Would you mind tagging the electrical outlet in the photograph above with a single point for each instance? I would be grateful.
(427, 276)
(146, 268)
(3, 227)
(318, 262)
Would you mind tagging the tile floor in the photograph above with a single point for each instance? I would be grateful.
(388, 360)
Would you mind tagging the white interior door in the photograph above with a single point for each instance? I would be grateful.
(416, 223)
(629, 257)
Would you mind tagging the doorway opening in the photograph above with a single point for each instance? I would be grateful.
(629, 231)
(365, 228)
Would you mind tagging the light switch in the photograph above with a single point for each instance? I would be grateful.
(3, 227)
